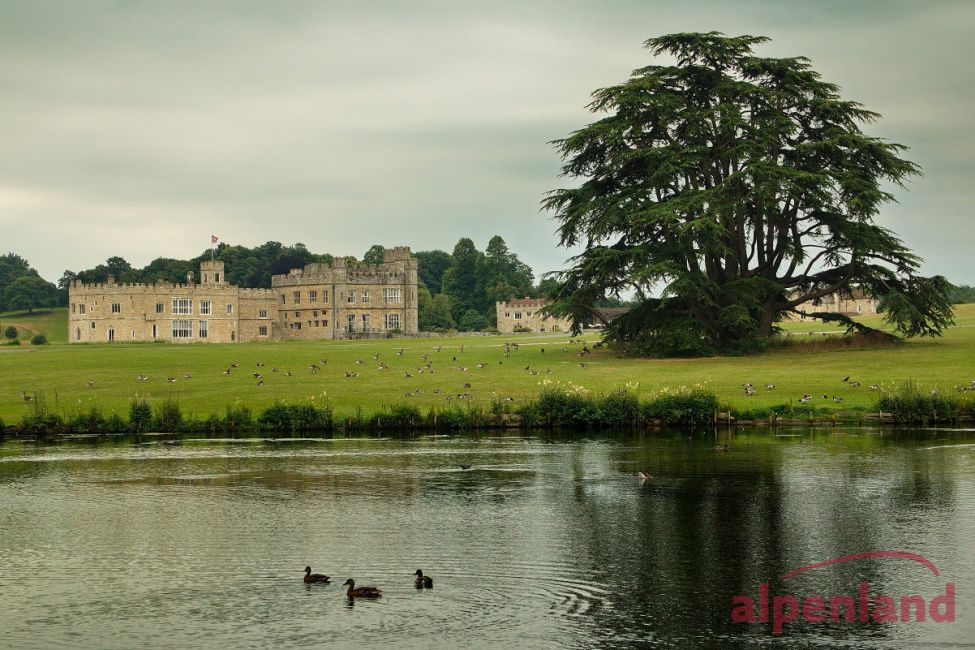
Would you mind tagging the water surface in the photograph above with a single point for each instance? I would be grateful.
(544, 542)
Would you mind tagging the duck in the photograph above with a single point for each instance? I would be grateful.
(643, 476)
(361, 592)
(465, 466)
(422, 580)
(314, 577)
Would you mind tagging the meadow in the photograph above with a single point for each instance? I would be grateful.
(370, 376)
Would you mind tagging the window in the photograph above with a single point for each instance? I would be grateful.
(507, 314)
(230, 308)
(92, 324)
(77, 334)
(154, 330)
(351, 296)
(262, 330)
(72, 308)
(312, 296)
(324, 296)
(262, 313)
(297, 314)
(182, 306)
(297, 326)
(159, 308)
(182, 329)
(81, 309)
(528, 314)
(203, 329)
(284, 299)
(315, 313)
(324, 323)
(351, 327)
(216, 277)
(316, 323)
(297, 297)
(365, 322)
(205, 308)
(517, 315)
(392, 321)
(391, 296)
(365, 297)
(116, 308)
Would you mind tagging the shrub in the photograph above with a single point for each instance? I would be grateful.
(10, 332)
(237, 418)
(38, 339)
(398, 416)
(13, 342)
(294, 418)
(909, 404)
(140, 415)
(169, 415)
(40, 421)
(684, 406)
(91, 422)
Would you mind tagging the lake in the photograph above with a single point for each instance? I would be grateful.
(546, 541)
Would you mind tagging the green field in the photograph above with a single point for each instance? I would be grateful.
(51, 322)
(63, 371)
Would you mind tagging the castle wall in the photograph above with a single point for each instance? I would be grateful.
(524, 313)
(309, 303)
(349, 300)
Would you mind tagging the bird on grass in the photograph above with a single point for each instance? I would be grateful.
(361, 592)
(171, 380)
(260, 383)
(314, 577)
(27, 398)
(422, 580)
(643, 477)
(91, 383)
(143, 377)
(465, 466)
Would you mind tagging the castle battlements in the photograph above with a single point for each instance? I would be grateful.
(338, 300)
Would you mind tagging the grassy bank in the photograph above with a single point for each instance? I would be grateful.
(434, 375)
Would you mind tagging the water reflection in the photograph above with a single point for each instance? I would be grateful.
(544, 541)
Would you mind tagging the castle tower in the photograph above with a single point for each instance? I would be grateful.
(211, 272)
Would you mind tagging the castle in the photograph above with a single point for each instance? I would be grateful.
(523, 313)
(320, 301)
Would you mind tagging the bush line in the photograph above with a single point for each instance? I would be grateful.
(556, 406)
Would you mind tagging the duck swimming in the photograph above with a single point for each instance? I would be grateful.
(422, 580)
(362, 592)
(314, 577)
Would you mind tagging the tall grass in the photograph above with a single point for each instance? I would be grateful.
(909, 403)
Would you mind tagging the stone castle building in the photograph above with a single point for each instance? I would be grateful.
(523, 314)
(320, 301)
(856, 303)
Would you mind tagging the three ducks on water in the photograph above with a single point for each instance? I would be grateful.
(421, 582)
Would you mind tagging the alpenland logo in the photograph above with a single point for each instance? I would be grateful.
(863, 607)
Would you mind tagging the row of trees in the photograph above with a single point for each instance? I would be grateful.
(459, 289)
(21, 287)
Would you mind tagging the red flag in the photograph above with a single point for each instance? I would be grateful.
(213, 239)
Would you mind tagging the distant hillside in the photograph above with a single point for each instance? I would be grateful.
(53, 323)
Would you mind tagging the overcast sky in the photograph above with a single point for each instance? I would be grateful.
(140, 128)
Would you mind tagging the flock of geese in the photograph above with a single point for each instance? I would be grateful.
(420, 582)
(427, 367)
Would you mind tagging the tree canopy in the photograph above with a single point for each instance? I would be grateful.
(725, 190)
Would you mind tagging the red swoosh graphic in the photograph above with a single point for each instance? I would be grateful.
(920, 559)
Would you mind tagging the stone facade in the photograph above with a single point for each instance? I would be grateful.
(309, 303)
(854, 304)
(523, 312)
(349, 300)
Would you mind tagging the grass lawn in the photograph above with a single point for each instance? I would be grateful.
(62, 371)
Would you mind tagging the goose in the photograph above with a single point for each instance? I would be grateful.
(91, 383)
(422, 580)
(260, 364)
(235, 365)
(465, 466)
(260, 383)
(314, 577)
(143, 377)
(361, 592)
(188, 375)
(27, 398)
(171, 380)
(643, 476)
(226, 372)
